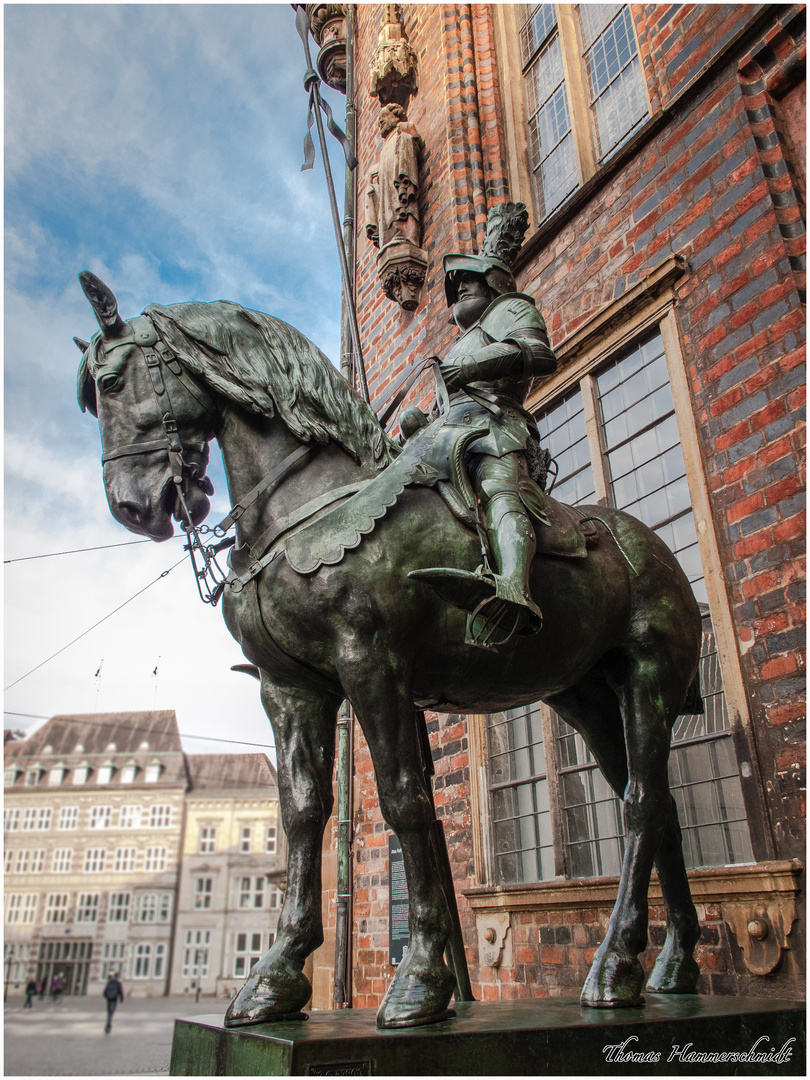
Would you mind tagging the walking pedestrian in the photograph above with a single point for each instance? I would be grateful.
(41, 988)
(56, 987)
(113, 993)
(30, 990)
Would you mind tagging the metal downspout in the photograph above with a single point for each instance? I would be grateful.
(342, 992)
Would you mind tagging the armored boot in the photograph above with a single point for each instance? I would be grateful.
(512, 544)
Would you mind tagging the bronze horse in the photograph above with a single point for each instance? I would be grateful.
(617, 656)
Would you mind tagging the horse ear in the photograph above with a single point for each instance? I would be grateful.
(86, 389)
(82, 346)
(103, 302)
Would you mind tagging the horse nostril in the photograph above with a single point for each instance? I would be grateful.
(129, 511)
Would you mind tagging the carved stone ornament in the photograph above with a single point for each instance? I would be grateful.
(762, 931)
(393, 75)
(402, 267)
(328, 25)
(494, 939)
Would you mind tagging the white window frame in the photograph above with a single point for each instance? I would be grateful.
(11, 819)
(130, 816)
(87, 907)
(62, 860)
(118, 907)
(207, 842)
(68, 818)
(245, 839)
(56, 907)
(271, 840)
(160, 816)
(154, 859)
(95, 861)
(125, 860)
(100, 817)
(203, 893)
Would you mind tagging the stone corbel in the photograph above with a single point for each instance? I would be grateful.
(328, 25)
(494, 939)
(402, 266)
(762, 931)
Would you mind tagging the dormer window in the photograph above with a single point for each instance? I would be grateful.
(56, 774)
(128, 772)
(105, 772)
(81, 772)
(153, 771)
(32, 776)
(10, 775)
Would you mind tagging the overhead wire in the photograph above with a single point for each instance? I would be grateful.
(100, 621)
(78, 551)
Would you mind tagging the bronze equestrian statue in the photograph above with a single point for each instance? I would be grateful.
(331, 517)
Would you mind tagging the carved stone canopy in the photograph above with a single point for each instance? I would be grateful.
(394, 68)
(328, 25)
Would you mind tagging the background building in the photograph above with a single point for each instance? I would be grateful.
(660, 149)
(97, 819)
(231, 873)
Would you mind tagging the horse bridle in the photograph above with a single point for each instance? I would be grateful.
(157, 355)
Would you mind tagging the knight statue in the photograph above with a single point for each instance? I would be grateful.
(502, 345)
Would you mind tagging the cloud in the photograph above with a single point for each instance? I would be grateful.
(160, 147)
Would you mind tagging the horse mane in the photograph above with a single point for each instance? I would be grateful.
(270, 368)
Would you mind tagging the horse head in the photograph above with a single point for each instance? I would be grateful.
(155, 420)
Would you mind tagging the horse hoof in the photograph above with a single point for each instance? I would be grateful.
(268, 999)
(417, 999)
(614, 982)
(674, 975)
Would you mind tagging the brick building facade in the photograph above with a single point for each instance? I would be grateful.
(660, 151)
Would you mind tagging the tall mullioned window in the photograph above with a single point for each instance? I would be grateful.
(584, 93)
(616, 432)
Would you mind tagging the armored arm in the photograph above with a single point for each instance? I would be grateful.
(524, 354)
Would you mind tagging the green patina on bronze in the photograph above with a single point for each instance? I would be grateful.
(616, 654)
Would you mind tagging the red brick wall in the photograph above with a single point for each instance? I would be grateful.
(716, 183)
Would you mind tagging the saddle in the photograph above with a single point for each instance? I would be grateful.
(433, 457)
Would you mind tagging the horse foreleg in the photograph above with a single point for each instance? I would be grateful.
(304, 727)
(423, 985)
(616, 976)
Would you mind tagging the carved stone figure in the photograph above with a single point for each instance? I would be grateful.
(392, 211)
(332, 515)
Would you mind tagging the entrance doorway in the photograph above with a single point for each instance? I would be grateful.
(70, 960)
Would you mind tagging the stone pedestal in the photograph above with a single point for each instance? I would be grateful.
(688, 1035)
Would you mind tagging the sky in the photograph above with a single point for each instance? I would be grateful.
(160, 147)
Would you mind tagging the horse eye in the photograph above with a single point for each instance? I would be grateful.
(109, 383)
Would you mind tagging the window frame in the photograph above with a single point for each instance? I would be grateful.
(508, 21)
(648, 306)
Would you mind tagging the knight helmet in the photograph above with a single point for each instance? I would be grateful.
(506, 226)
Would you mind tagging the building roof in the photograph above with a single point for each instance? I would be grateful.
(96, 732)
(221, 772)
(97, 739)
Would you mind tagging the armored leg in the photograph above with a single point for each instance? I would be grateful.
(509, 529)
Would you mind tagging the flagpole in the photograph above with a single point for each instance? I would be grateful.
(312, 83)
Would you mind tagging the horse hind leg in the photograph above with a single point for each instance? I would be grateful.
(304, 728)
(675, 970)
(651, 696)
